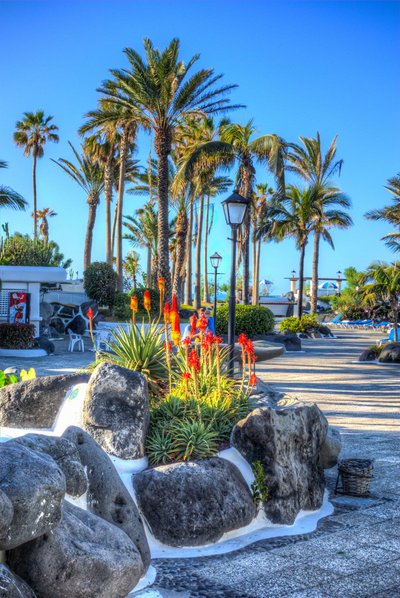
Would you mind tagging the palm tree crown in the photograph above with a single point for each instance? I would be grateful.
(390, 214)
(10, 198)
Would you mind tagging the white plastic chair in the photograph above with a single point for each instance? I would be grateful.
(75, 339)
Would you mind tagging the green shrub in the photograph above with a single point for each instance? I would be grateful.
(17, 336)
(141, 349)
(6, 379)
(99, 282)
(21, 250)
(250, 319)
(377, 349)
(294, 324)
(121, 309)
(326, 298)
(154, 299)
(259, 488)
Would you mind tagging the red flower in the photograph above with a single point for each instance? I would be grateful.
(242, 340)
(161, 284)
(90, 314)
(175, 323)
(218, 340)
(249, 347)
(202, 323)
(168, 346)
(186, 375)
(193, 324)
(134, 304)
(186, 341)
(194, 361)
(253, 380)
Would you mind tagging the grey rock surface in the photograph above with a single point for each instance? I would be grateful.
(287, 441)
(331, 448)
(390, 353)
(35, 486)
(11, 586)
(194, 503)
(35, 403)
(289, 339)
(65, 454)
(116, 410)
(107, 495)
(84, 557)
(367, 355)
(6, 513)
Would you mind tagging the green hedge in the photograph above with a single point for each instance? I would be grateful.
(250, 319)
(307, 322)
(17, 336)
(122, 301)
(99, 282)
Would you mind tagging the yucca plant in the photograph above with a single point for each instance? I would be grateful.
(193, 440)
(139, 348)
(159, 446)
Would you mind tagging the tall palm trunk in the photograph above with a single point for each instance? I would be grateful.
(34, 194)
(162, 144)
(314, 281)
(148, 268)
(395, 312)
(301, 279)
(254, 297)
(108, 186)
(246, 227)
(93, 202)
(256, 270)
(189, 246)
(206, 293)
(197, 273)
(123, 150)
(114, 227)
(44, 228)
(154, 271)
(181, 237)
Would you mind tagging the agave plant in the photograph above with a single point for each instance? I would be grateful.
(193, 440)
(139, 348)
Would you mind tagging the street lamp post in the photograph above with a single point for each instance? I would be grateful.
(215, 260)
(235, 207)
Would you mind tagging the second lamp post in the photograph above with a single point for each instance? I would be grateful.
(235, 207)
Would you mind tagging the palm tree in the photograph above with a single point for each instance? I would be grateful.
(112, 117)
(10, 198)
(259, 218)
(383, 283)
(32, 133)
(390, 214)
(293, 216)
(44, 225)
(88, 174)
(132, 267)
(308, 162)
(235, 146)
(161, 90)
(142, 232)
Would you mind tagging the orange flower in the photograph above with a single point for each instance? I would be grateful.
(242, 340)
(193, 324)
(253, 380)
(147, 300)
(134, 305)
(218, 340)
(186, 341)
(175, 322)
(202, 323)
(168, 346)
(167, 313)
(186, 375)
(161, 284)
(90, 314)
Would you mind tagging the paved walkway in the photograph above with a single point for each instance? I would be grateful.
(355, 552)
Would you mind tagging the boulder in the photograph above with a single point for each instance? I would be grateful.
(289, 339)
(314, 333)
(331, 448)
(287, 441)
(45, 344)
(65, 454)
(107, 496)
(390, 353)
(77, 325)
(116, 410)
(195, 502)
(84, 557)
(35, 486)
(6, 513)
(367, 355)
(11, 586)
(35, 403)
(325, 331)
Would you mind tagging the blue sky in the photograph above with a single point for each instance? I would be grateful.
(300, 67)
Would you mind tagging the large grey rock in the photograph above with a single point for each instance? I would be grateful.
(84, 557)
(107, 496)
(116, 410)
(367, 355)
(35, 486)
(289, 339)
(331, 448)
(65, 454)
(194, 503)
(390, 353)
(11, 586)
(6, 513)
(287, 441)
(35, 403)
